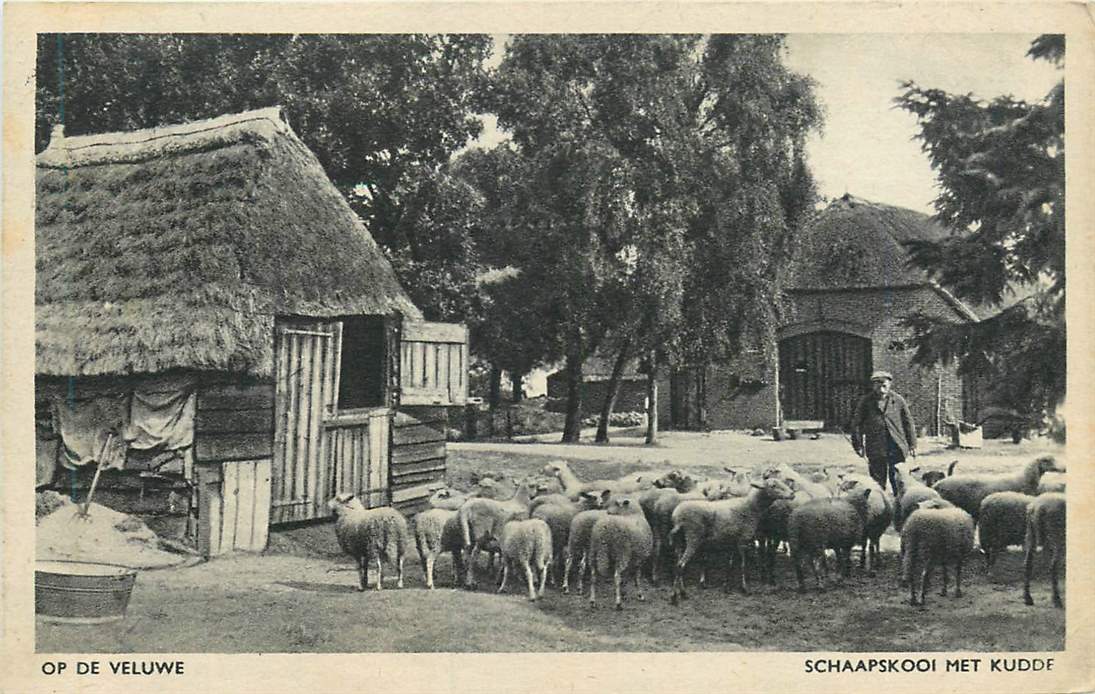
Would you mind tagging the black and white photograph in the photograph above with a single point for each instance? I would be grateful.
(446, 342)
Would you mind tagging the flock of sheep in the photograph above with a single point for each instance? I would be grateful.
(640, 525)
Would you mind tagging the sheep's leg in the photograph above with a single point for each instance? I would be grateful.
(742, 564)
(1028, 566)
(457, 568)
(505, 575)
(824, 568)
(593, 587)
(543, 579)
(399, 568)
(638, 588)
(616, 585)
(655, 558)
(379, 573)
(363, 572)
(428, 563)
(912, 577)
(566, 574)
(928, 566)
(958, 579)
(946, 578)
(796, 559)
(582, 565)
(678, 571)
(771, 552)
(473, 558)
(1054, 568)
(531, 580)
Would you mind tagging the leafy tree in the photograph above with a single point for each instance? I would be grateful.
(687, 151)
(1001, 167)
(383, 113)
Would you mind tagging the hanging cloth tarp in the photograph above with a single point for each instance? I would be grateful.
(161, 414)
(84, 426)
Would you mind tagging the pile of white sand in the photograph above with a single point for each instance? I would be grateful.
(104, 535)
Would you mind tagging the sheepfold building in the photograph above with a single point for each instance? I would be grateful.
(209, 306)
(850, 287)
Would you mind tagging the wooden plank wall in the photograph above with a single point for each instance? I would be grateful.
(357, 455)
(233, 446)
(418, 457)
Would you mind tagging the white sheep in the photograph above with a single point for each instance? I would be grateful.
(908, 493)
(619, 544)
(558, 514)
(967, 491)
(437, 531)
(368, 534)
(773, 523)
(880, 512)
(822, 524)
(1045, 529)
(935, 534)
(572, 486)
(481, 523)
(729, 525)
(1002, 521)
(526, 544)
(581, 527)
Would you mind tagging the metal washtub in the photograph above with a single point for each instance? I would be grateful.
(79, 592)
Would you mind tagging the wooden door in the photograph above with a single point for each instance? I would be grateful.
(822, 375)
(433, 365)
(307, 366)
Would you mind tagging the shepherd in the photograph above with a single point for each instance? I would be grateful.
(883, 430)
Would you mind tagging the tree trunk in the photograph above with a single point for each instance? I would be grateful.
(613, 391)
(701, 399)
(652, 401)
(515, 380)
(495, 396)
(572, 430)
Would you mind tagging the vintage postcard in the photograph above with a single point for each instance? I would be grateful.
(503, 346)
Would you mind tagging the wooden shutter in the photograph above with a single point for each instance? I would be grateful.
(433, 365)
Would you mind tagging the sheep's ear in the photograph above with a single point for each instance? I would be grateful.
(758, 486)
(605, 494)
(914, 469)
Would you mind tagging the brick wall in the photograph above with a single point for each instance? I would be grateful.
(875, 314)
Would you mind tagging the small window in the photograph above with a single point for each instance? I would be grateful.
(361, 373)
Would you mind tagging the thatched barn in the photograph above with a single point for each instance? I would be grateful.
(205, 293)
(850, 286)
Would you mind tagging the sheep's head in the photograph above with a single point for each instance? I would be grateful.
(593, 500)
(902, 475)
(1047, 463)
(344, 502)
(623, 506)
(855, 492)
(932, 476)
(675, 479)
(928, 504)
(555, 468)
(775, 488)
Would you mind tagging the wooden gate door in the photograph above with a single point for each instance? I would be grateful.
(822, 374)
(306, 363)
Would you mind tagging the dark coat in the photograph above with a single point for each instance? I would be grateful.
(873, 420)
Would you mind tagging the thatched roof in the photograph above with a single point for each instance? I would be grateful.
(857, 244)
(174, 247)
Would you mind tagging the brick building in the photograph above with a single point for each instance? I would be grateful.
(850, 287)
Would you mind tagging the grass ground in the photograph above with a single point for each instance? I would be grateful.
(300, 595)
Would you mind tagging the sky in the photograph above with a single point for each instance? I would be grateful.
(867, 147)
